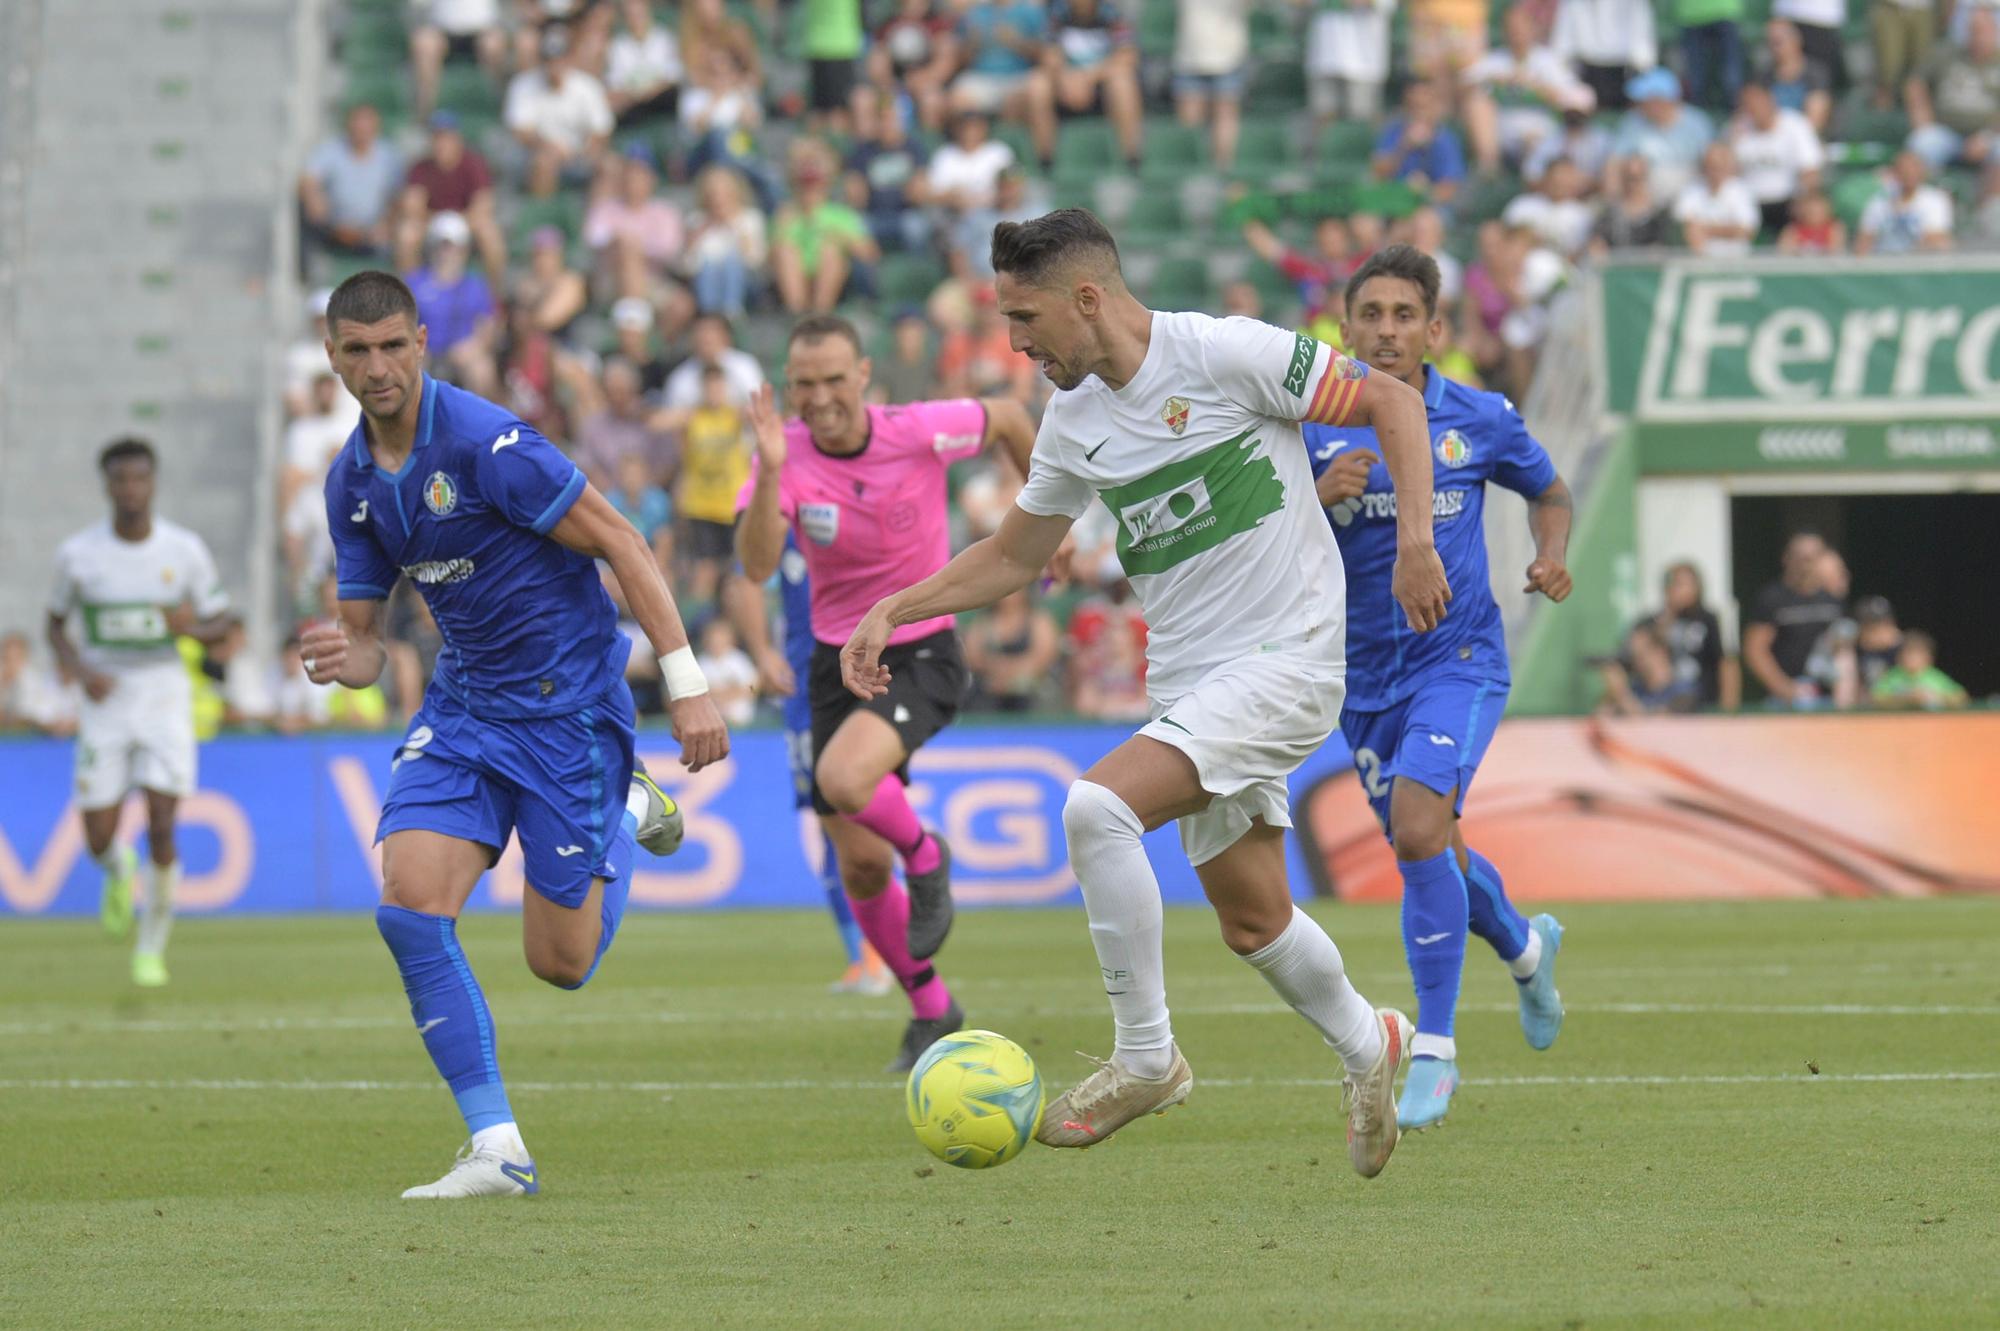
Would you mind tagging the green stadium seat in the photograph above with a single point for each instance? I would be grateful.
(907, 279)
(1859, 122)
(383, 87)
(465, 89)
(1851, 193)
(1483, 198)
(1156, 29)
(1173, 151)
(1179, 284)
(1085, 150)
(562, 210)
(1266, 146)
(1346, 141)
(1278, 85)
(1157, 218)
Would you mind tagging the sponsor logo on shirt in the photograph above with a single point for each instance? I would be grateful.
(1303, 350)
(820, 522)
(440, 494)
(1444, 504)
(435, 571)
(951, 443)
(1453, 449)
(1174, 415)
(1193, 505)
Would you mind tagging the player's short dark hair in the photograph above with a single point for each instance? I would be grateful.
(1033, 250)
(123, 448)
(816, 327)
(1406, 262)
(369, 297)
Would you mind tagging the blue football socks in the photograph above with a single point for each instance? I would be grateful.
(1493, 916)
(450, 1011)
(1434, 923)
(836, 901)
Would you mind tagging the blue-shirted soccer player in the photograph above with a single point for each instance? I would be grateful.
(780, 673)
(1421, 708)
(526, 727)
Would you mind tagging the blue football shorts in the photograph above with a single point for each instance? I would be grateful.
(1434, 737)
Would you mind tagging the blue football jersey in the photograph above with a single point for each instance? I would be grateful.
(1476, 437)
(528, 627)
(795, 597)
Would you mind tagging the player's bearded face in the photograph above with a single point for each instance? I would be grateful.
(1045, 325)
(381, 363)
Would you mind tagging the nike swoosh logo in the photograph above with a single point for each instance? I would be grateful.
(524, 1177)
(1169, 721)
(1433, 938)
(511, 437)
(1444, 739)
(425, 1029)
(1095, 451)
(359, 514)
(567, 851)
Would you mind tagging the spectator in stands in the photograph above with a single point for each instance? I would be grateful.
(1513, 95)
(1554, 210)
(315, 435)
(1211, 53)
(1645, 682)
(1779, 153)
(1954, 100)
(456, 306)
(909, 372)
(886, 176)
(30, 698)
(1633, 218)
(707, 25)
(1718, 215)
(833, 41)
(1092, 64)
(964, 174)
(620, 425)
(712, 346)
(1001, 43)
(1909, 213)
(1813, 229)
(305, 358)
(643, 70)
(1786, 621)
(559, 114)
(1107, 652)
(451, 178)
(820, 248)
(913, 56)
(1582, 140)
(1319, 276)
(454, 29)
(1712, 50)
(1419, 149)
(731, 675)
(1347, 60)
(644, 503)
(1901, 33)
(1820, 24)
(727, 249)
(1666, 132)
(1425, 228)
(714, 464)
(1797, 83)
(639, 238)
(1446, 37)
(971, 254)
(1609, 41)
(1877, 640)
(1534, 274)
(554, 294)
(349, 187)
(632, 325)
(1916, 682)
(531, 371)
(1693, 637)
(719, 111)
(979, 360)
(1011, 651)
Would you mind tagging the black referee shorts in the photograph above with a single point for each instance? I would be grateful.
(927, 685)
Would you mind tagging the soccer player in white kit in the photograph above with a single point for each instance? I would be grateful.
(136, 583)
(1187, 427)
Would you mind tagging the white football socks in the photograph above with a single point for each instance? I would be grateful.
(1304, 966)
(109, 860)
(1523, 966)
(156, 917)
(1122, 898)
(504, 1140)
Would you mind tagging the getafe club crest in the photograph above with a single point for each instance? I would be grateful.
(1453, 449)
(1175, 414)
(440, 495)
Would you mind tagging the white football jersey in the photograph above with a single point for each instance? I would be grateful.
(121, 591)
(1201, 462)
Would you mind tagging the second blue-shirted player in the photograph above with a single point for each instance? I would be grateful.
(1421, 708)
(526, 726)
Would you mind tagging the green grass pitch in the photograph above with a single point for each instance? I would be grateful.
(719, 1148)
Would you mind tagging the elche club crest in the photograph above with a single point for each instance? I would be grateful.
(1175, 414)
(440, 494)
(1453, 449)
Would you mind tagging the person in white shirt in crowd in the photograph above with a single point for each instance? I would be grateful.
(964, 173)
(643, 71)
(1777, 151)
(731, 675)
(1555, 211)
(330, 417)
(559, 114)
(451, 28)
(1718, 216)
(1910, 214)
(1608, 41)
(305, 361)
(1582, 140)
(1663, 130)
(1211, 49)
(713, 344)
(1514, 95)
(1820, 24)
(1347, 59)
(1427, 231)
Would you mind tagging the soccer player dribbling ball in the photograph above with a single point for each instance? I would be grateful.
(1421, 709)
(526, 726)
(1187, 427)
(863, 489)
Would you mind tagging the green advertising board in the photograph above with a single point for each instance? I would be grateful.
(1805, 364)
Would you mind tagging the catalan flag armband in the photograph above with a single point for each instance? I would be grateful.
(1339, 388)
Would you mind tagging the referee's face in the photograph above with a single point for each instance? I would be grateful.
(1389, 328)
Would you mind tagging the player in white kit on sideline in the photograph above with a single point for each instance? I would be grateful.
(136, 583)
(1187, 427)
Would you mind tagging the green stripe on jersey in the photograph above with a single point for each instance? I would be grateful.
(1193, 505)
(126, 626)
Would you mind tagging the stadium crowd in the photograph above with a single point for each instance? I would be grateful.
(610, 210)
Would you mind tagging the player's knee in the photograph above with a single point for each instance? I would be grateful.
(866, 873)
(1093, 815)
(563, 968)
(1251, 926)
(845, 791)
(1420, 839)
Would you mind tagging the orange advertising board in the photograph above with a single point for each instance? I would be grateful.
(1664, 808)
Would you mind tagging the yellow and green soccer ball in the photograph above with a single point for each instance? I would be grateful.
(975, 1099)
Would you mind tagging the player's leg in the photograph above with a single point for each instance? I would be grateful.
(1435, 919)
(1246, 883)
(1528, 946)
(1140, 785)
(813, 839)
(103, 775)
(163, 877)
(118, 863)
(882, 908)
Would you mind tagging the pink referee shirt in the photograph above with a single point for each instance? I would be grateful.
(874, 522)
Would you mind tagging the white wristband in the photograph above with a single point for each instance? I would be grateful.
(683, 677)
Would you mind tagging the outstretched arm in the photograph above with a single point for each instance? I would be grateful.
(979, 575)
(760, 532)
